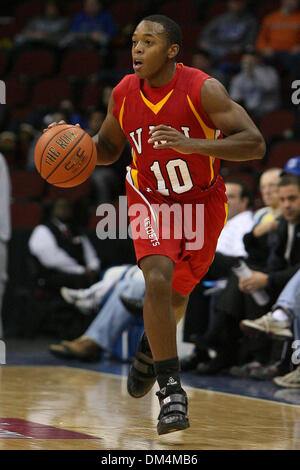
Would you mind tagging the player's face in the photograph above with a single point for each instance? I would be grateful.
(150, 50)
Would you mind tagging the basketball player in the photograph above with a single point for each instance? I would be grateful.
(174, 118)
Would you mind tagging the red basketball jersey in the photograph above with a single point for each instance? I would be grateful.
(138, 108)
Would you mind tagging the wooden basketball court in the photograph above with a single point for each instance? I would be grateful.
(58, 407)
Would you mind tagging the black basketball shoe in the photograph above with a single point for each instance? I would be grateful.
(141, 377)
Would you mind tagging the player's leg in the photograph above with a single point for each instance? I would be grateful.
(142, 376)
(160, 328)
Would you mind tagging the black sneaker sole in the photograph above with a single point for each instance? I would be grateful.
(166, 428)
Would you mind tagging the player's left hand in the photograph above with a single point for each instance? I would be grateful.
(164, 137)
(257, 281)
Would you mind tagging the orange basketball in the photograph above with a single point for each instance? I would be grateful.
(65, 155)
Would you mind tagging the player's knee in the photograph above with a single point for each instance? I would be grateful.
(157, 283)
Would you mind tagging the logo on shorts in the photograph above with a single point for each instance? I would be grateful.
(150, 232)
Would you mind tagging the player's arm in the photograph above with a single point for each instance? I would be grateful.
(110, 140)
(243, 140)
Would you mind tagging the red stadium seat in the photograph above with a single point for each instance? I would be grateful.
(81, 63)
(25, 214)
(78, 192)
(34, 63)
(50, 92)
(265, 8)
(91, 95)
(126, 14)
(26, 184)
(281, 152)
(26, 11)
(20, 114)
(180, 10)
(16, 92)
(123, 60)
(190, 35)
(276, 122)
(3, 63)
(255, 165)
(9, 31)
(73, 8)
(215, 10)
(248, 178)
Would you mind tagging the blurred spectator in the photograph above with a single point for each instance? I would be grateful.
(63, 256)
(46, 29)
(256, 87)
(112, 319)
(95, 121)
(8, 141)
(67, 108)
(258, 241)
(5, 228)
(202, 60)
(236, 304)
(94, 25)
(230, 246)
(231, 32)
(280, 31)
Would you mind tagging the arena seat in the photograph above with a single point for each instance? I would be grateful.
(25, 214)
(26, 185)
(81, 63)
(281, 152)
(16, 92)
(276, 122)
(73, 8)
(3, 63)
(123, 60)
(24, 12)
(190, 33)
(20, 114)
(78, 192)
(263, 9)
(34, 63)
(254, 165)
(250, 179)
(91, 95)
(50, 92)
(179, 10)
(215, 10)
(128, 14)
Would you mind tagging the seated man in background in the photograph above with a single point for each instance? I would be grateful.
(61, 254)
(232, 241)
(256, 87)
(236, 304)
(113, 318)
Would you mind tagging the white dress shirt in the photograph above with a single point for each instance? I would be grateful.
(231, 239)
(43, 245)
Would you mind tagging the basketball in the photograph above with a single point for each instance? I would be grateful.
(65, 155)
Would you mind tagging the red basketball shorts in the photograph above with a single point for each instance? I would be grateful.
(187, 233)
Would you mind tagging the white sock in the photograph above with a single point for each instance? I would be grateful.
(280, 315)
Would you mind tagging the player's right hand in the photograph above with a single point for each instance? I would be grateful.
(53, 124)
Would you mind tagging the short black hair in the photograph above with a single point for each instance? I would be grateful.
(245, 191)
(288, 179)
(172, 30)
